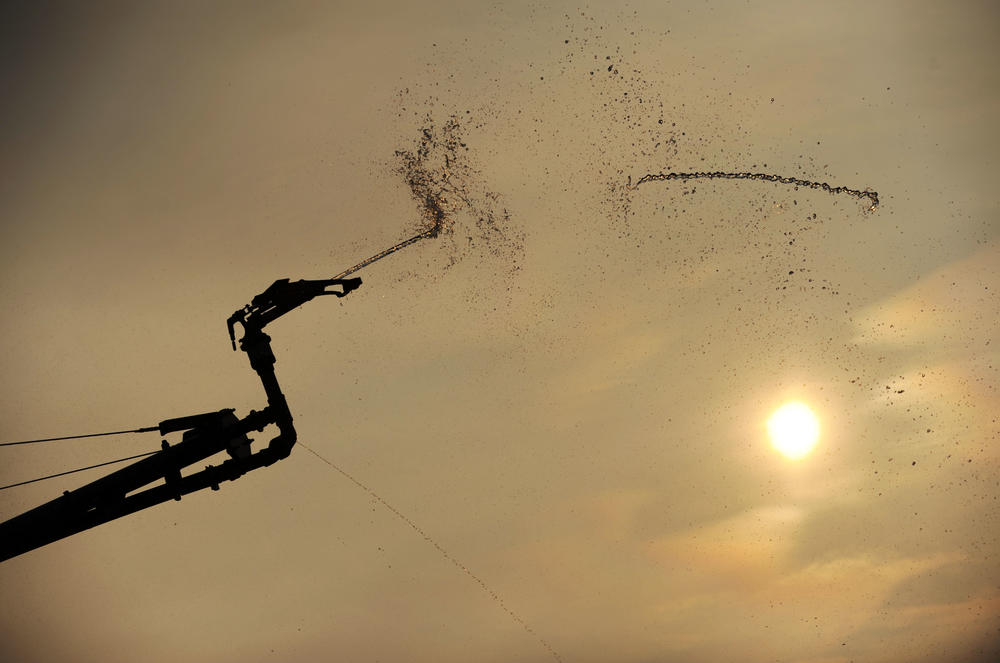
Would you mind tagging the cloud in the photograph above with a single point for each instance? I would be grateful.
(736, 580)
(951, 309)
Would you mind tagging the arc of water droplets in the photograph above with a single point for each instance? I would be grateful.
(718, 175)
(444, 553)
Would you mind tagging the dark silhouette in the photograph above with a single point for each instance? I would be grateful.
(204, 435)
(281, 297)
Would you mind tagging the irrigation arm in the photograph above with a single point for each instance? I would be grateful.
(157, 478)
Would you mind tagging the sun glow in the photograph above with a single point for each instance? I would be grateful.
(794, 430)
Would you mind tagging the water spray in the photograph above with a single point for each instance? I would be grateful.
(872, 196)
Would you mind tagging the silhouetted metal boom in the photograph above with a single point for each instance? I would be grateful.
(128, 490)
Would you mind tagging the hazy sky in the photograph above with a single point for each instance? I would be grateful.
(577, 413)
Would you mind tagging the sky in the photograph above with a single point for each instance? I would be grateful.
(564, 398)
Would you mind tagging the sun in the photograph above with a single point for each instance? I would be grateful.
(794, 430)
